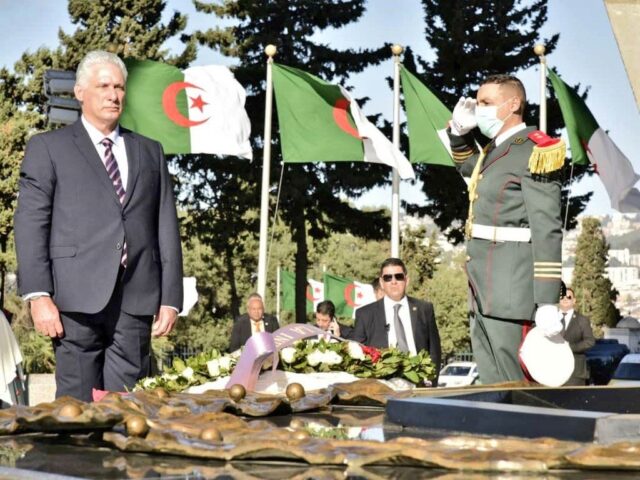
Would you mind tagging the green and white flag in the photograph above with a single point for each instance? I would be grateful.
(287, 290)
(590, 144)
(427, 120)
(198, 110)
(319, 122)
(314, 292)
(346, 294)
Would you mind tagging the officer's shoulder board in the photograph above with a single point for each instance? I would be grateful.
(548, 153)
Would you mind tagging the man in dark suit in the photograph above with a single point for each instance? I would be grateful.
(253, 321)
(97, 239)
(398, 320)
(326, 320)
(578, 333)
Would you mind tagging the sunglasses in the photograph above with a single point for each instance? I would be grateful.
(389, 276)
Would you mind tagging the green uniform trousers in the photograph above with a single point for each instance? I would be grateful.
(495, 345)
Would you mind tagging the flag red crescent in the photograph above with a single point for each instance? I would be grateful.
(171, 108)
(341, 117)
(309, 293)
(347, 295)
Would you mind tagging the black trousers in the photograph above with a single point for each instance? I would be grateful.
(108, 350)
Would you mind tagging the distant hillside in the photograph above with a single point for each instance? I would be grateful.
(629, 240)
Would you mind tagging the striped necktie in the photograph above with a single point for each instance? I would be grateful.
(114, 174)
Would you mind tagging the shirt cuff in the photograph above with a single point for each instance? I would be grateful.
(169, 306)
(31, 295)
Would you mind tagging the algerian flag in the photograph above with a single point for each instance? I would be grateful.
(347, 295)
(319, 122)
(198, 110)
(314, 292)
(590, 143)
(287, 290)
(427, 120)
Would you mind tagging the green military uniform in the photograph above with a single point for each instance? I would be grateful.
(514, 242)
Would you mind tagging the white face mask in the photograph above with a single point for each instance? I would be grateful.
(488, 121)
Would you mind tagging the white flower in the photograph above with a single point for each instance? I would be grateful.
(148, 382)
(332, 358)
(169, 376)
(315, 358)
(355, 351)
(225, 362)
(187, 373)
(288, 354)
(214, 368)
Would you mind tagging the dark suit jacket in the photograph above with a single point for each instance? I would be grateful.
(242, 330)
(580, 338)
(345, 331)
(70, 226)
(371, 330)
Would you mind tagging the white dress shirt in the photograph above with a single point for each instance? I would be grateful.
(568, 315)
(405, 319)
(118, 148)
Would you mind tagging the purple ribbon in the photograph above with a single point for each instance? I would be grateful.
(264, 345)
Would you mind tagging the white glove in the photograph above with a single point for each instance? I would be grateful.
(549, 320)
(464, 116)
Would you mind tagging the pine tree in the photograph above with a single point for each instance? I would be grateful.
(14, 128)
(310, 201)
(473, 39)
(594, 291)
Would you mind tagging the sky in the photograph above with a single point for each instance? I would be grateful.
(586, 52)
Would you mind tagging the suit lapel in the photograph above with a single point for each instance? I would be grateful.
(415, 324)
(381, 322)
(88, 151)
(132, 145)
(573, 326)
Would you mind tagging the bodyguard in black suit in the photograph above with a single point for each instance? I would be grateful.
(578, 333)
(251, 322)
(412, 328)
(97, 239)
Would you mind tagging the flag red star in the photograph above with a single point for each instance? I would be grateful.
(198, 102)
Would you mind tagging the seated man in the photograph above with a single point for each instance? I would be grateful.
(253, 321)
(397, 320)
(326, 320)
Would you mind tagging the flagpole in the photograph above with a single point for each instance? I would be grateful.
(539, 50)
(270, 50)
(395, 185)
(278, 293)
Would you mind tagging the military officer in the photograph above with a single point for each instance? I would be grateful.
(513, 229)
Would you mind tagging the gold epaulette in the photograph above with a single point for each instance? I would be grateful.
(548, 154)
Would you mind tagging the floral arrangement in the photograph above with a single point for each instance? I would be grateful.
(309, 356)
(202, 368)
(305, 356)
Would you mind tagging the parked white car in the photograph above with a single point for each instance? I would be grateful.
(628, 371)
(458, 374)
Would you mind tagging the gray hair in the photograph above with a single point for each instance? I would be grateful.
(98, 57)
(254, 296)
